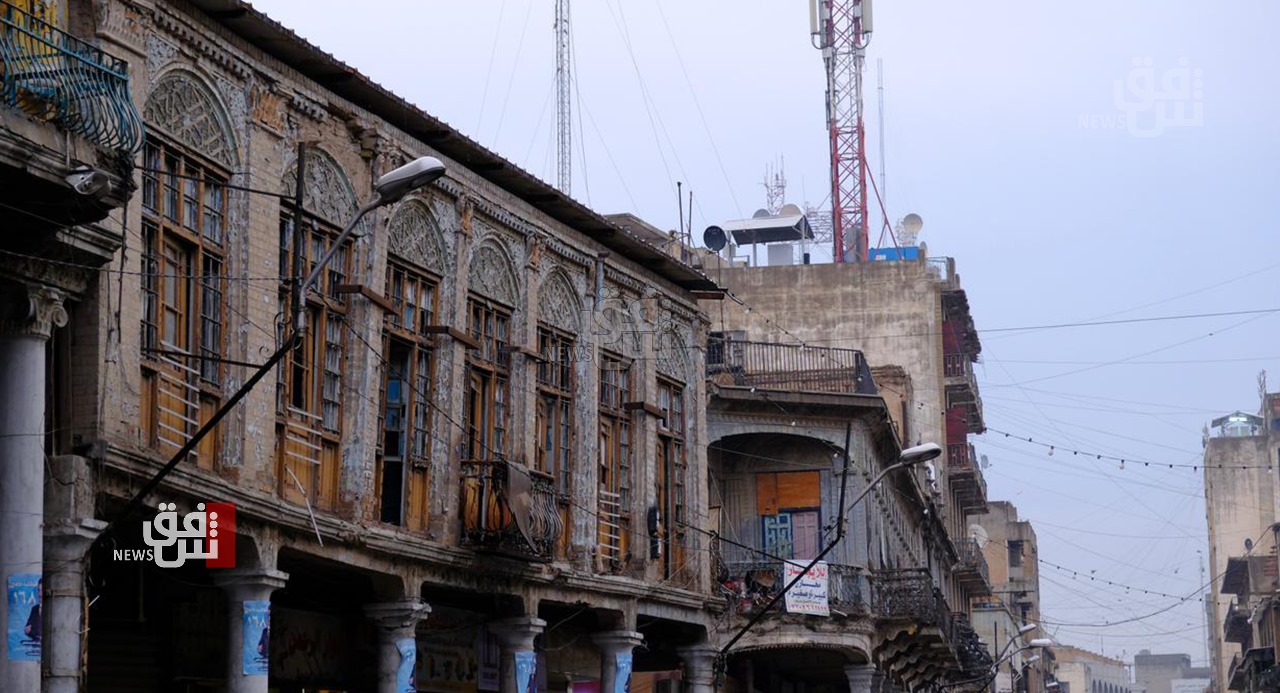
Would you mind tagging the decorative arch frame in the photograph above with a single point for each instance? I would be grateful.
(558, 303)
(672, 361)
(493, 273)
(415, 236)
(327, 191)
(181, 105)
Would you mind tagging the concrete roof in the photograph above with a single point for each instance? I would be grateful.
(275, 39)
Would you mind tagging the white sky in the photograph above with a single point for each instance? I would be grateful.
(1003, 132)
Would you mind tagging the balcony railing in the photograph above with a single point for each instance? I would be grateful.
(1236, 627)
(975, 658)
(794, 367)
(967, 478)
(956, 366)
(972, 566)
(491, 497)
(51, 74)
(749, 585)
(910, 595)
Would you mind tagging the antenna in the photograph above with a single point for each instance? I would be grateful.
(564, 121)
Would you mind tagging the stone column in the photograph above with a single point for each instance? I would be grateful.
(397, 639)
(859, 676)
(515, 637)
(615, 648)
(699, 667)
(28, 316)
(64, 549)
(247, 589)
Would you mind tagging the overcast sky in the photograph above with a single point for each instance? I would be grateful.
(1086, 160)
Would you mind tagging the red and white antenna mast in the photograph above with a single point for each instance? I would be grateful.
(841, 29)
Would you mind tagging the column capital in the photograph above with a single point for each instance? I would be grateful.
(397, 619)
(68, 540)
(699, 663)
(31, 310)
(517, 633)
(247, 584)
(859, 676)
(611, 642)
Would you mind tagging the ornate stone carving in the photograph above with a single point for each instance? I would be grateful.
(326, 191)
(159, 53)
(466, 212)
(31, 310)
(233, 95)
(493, 274)
(558, 303)
(672, 361)
(414, 236)
(181, 107)
(267, 107)
(120, 23)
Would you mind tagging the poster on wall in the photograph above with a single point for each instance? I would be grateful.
(25, 626)
(809, 595)
(256, 625)
(406, 673)
(622, 683)
(526, 672)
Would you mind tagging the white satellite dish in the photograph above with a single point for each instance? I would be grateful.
(980, 536)
(761, 214)
(789, 209)
(912, 223)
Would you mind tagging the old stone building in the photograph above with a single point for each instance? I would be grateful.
(484, 460)
(875, 343)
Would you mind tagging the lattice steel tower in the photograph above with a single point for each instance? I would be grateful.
(841, 29)
(564, 118)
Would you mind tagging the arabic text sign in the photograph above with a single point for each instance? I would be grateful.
(809, 595)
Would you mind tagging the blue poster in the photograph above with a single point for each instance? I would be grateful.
(25, 624)
(406, 675)
(257, 631)
(526, 672)
(622, 681)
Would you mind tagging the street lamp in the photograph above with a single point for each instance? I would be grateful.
(389, 188)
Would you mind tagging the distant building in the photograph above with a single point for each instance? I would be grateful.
(1158, 672)
(1240, 491)
(1082, 671)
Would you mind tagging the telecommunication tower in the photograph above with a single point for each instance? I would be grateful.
(564, 118)
(841, 29)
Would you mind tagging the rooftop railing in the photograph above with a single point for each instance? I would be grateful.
(52, 75)
(794, 367)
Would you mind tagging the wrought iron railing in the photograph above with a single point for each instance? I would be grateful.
(51, 74)
(910, 595)
(795, 367)
(942, 269)
(956, 366)
(749, 585)
(971, 558)
(490, 501)
(975, 658)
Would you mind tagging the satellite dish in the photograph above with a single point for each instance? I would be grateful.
(1248, 544)
(520, 499)
(714, 238)
(980, 536)
(761, 214)
(912, 223)
(985, 463)
(788, 210)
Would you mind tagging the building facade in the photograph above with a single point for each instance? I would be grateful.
(484, 460)
(1241, 496)
(906, 321)
(1082, 670)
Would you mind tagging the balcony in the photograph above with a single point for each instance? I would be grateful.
(791, 367)
(967, 479)
(971, 570)
(509, 510)
(975, 658)
(922, 642)
(749, 585)
(910, 595)
(1235, 626)
(53, 76)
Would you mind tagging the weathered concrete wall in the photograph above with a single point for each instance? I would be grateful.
(1240, 501)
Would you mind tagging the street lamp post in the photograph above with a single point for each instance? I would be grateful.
(389, 188)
